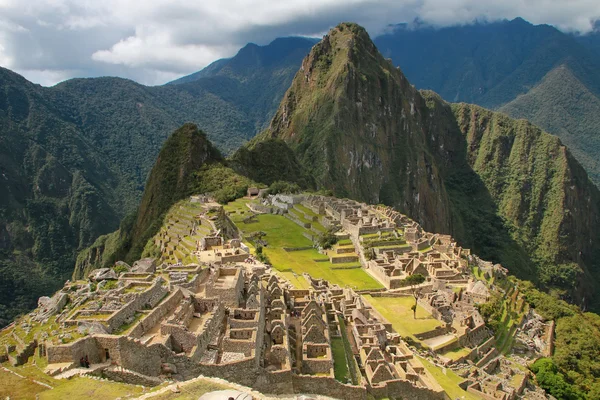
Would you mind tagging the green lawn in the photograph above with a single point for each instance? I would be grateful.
(280, 233)
(397, 311)
(448, 381)
(456, 353)
(340, 365)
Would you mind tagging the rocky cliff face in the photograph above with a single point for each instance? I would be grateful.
(503, 187)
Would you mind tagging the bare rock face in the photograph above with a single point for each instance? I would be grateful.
(147, 265)
(103, 274)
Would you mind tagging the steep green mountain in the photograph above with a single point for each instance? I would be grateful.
(566, 107)
(187, 163)
(501, 186)
(512, 65)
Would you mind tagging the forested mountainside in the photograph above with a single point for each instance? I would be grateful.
(75, 157)
(501, 186)
(525, 70)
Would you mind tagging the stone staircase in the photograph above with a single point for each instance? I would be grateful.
(69, 373)
(57, 368)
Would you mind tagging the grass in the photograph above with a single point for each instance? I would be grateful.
(448, 381)
(397, 311)
(280, 233)
(456, 353)
(15, 387)
(351, 362)
(340, 365)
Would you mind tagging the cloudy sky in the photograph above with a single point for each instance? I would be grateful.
(154, 41)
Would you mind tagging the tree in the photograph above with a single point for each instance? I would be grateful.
(414, 281)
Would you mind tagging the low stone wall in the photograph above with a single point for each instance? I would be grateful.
(133, 378)
(74, 351)
(183, 337)
(328, 387)
(239, 346)
(292, 218)
(290, 249)
(343, 259)
(438, 331)
(487, 357)
(405, 390)
(549, 350)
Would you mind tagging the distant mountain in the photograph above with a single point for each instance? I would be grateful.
(74, 157)
(493, 64)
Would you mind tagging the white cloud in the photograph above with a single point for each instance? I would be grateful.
(154, 40)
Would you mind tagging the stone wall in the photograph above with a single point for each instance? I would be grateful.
(118, 374)
(405, 390)
(74, 351)
(184, 338)
(146, 299)
(344, 259)
(438, 331)
(160, 312)
(328, 387)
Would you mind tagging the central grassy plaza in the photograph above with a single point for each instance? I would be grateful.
(282, 233)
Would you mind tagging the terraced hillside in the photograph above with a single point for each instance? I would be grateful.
(185, 225)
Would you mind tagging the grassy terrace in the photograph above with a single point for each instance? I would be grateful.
(448, 380)
(280, 233)
(24, 386)
(397, 311)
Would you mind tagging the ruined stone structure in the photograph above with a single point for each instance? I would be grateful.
(232, 317)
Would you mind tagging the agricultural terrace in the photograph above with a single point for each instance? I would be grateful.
(283, 233)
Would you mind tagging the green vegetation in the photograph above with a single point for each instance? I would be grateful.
(327, 240)
(283, 187)
(224, 184)
(340, 364)
(349, 356)
(577, 344)
(548, 377)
